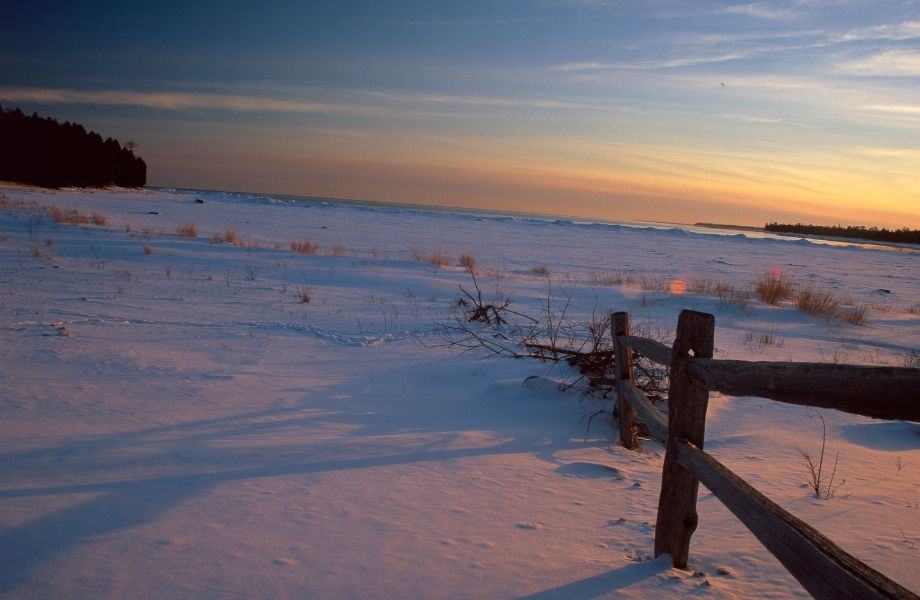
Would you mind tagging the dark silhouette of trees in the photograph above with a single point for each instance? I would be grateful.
(903, 235)
(41, 151)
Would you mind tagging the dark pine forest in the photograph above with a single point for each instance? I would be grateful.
(904, 235)
(42, 151)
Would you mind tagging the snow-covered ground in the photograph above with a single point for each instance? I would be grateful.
(178, 424)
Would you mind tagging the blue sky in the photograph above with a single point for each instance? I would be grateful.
(677, 111)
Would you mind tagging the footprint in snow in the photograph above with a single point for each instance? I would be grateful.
(587, 470)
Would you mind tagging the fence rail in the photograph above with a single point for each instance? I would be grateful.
(823, 568)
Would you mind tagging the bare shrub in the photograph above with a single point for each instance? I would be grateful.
(99, 219)
(304, 246)
(773, 288)
(468, 262)
(481, 311)
(188, 230)
(817, 479)
(817, 302)
(303, 294)
(541, 270)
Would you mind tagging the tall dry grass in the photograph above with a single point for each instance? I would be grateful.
(773, 289)
(304, 246)
(188, 230)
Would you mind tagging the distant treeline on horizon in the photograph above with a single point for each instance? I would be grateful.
(42, 151)
(903, 235)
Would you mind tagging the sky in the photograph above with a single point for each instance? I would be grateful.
(795, 110)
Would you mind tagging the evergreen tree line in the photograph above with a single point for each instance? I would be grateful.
(41, 151)
(903, 235)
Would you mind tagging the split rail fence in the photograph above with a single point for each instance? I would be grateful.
(822, 567)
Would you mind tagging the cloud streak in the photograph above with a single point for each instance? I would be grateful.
(165, 100)
(761, 10)
(891, 63)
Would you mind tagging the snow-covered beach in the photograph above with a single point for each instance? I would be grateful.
(176, 422)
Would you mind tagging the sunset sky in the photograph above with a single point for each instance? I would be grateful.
(675, 111)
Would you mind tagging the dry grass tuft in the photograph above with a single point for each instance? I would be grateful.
(228, 237)
(912, 359)
(303, 294)
(336, 249)
(817, 302)
(731, 296)
(127, 226)
(99, 219)
(149, 232)
(468, 262)
(304, 246)
(773, 289)
(541, 270)
(858, 315)
(71, 217)
(605, 279)
(495, 272)
(438, 257)
(188, 230)
(49, 241)
(148, 249)
(652, 284)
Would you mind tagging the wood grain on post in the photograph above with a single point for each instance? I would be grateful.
(623, 368)
(654, 419)
(650, 349)
(879, 392)
(688, 399)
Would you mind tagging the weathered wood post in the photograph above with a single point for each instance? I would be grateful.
(687, 402)
(623, 369)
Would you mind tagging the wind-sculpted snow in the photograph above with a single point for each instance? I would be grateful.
(215, 420)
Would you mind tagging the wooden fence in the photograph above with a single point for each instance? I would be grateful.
(823, 568)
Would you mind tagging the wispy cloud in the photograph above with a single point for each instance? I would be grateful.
(761, 10)
(891, 63)
(906, 30)
(903, 109)
(164, 100)
(669, 63)
(360, 102)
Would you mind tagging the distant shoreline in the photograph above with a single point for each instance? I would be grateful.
(727, 226)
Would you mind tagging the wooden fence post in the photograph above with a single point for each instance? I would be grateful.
(623, 370)
(687, 402)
